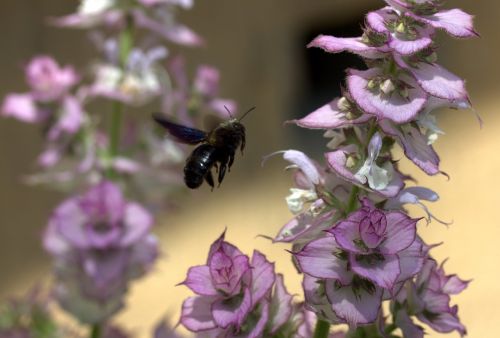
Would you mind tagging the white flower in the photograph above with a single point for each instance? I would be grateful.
(429, 123)
(299, 197)
(378, 177)
(95, 7)
(337, 137)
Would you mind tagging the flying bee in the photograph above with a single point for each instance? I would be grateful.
(217, 148)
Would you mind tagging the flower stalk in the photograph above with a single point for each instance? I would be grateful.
(96, 331)
(125, 47)
(322, 329)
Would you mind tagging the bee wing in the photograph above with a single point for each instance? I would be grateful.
(181, 133)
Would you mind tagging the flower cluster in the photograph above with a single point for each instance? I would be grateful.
(241, 297)
(29, 316)
(99, 242)
(133, 70)
(428, 298)
(32, 316)
(351, 237)
(49, 102)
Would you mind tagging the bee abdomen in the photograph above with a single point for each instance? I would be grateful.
(198, 165)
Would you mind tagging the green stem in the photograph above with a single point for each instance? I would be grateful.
(371, 132)
(322, 329)
(353, 200)
(114, 133)
(96, 331)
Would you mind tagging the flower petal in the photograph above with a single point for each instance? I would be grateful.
(407, 326)
(444, 323)
(329, 116)
(281, 305)
(436, 80)
(199, 281)
(454, 285)
(318, 259)
(303, 163)
(409, 47)
(415, 146)
(263, 276)
(232, 311)
(400, 233)
(70, 220)
(137, 222)
(303, 227)
(196, 314)
(337, 161)
(21, 107)
(454, 21)
(222, 246)
(347, 234)
(383, 272)
(227, 272)
(176, 33)
(377, 20)
(411, 260)
(258, 328)
(393, 107)
(354, 308)
(72, 117)
(332, 44)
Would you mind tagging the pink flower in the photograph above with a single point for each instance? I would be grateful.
(48, 81)
(100, 243)
(347, 271)
(428, 299)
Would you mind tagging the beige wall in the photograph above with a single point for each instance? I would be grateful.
(252, 42)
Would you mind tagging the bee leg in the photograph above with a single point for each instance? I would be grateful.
(231, 160)
(243, 142)
(210, 180)
(222, 171)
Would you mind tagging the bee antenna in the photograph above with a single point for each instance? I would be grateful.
(227, 109)
(249, 110)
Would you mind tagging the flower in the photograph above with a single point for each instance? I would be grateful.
(31, 316)
(100, 242)
(378, 178)
(49, 103)
(353, 242)
(163, 330)
(48, 81)
(191, 99)
(385, 180)
(236, 296)
(156, 16)
(310, 202)
(228, 287)
(455, 22)
(138, 83)
(49, 84)
(370, 252)
(428, 299)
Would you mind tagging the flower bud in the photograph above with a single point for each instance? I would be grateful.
(401, 28)
(372, 84)
(387, 87)
(404, 92)
(351, 161)
(431, 58)
(343, 104)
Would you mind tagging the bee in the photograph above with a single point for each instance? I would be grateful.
(217, 148)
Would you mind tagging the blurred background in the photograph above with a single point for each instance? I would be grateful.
(259, 46)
